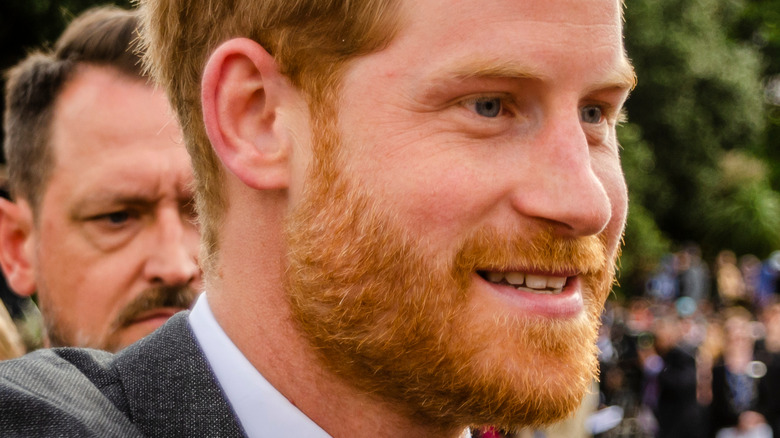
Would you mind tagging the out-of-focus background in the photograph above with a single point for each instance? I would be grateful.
(702, 145)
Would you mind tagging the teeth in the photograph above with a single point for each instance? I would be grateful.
(515, 278)
(536, 283)
(496, 277)
(556, 282)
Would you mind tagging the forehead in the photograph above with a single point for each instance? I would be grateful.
(112, 132)
(475, 18)
(102, 113)
(540, 38)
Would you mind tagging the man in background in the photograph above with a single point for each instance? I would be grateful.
(101, 222)
(410, 210)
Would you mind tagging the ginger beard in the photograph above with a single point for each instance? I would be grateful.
(401, 321)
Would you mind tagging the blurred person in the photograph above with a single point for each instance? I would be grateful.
(670, 389)
(25, 315)
(750, 267)
(692, 273)
(663, 285)
(639, 317)
(13, 303)
(411, 214)
(100, 225)
(11, 345)
(770, 318)
(708, 352)
(628, 378)
(729, 282)
(767, 280)
(768, 351)
(735, 410)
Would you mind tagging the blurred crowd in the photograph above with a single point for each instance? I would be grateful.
(697, 354)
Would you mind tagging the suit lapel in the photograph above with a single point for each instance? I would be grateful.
(170, 388)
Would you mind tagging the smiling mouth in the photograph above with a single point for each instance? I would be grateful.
(522, 281)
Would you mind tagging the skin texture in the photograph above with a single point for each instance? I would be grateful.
(447, 155)
(113, 251)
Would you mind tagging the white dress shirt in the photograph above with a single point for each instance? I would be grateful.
(261, 410)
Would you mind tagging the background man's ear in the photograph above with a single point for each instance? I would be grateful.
(16, 246)
(242, 92)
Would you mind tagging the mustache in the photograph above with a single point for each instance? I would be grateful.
(493, 249)
(155, 298)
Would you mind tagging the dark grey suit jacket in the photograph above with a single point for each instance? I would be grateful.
(160, 386)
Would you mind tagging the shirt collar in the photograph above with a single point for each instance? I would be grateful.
(261, 410)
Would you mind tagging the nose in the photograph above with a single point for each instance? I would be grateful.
(560, 186)
(172, 252)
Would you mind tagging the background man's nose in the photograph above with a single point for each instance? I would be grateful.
(172, 260)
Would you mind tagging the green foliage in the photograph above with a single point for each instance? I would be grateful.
(760, 27)
(700, 105)
(745, 211)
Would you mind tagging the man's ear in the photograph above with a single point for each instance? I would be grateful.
(16, 246)
(242, 93)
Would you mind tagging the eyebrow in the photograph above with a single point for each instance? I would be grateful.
(621, 77)
(493, 69)
(108, 199)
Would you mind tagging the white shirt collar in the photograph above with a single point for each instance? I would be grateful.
(261, 409)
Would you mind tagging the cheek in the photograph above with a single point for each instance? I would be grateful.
(436, 198)
(79, 277)
(58, 255)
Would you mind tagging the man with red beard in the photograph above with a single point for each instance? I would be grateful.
(410, 212)
(101, 225)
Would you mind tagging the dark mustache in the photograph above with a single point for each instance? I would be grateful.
(155, 298)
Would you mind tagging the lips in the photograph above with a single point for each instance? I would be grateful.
(545, 294)
(158, 313)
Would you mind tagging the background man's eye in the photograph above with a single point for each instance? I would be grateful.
(118, 217)
(591, 114)
(488, 107)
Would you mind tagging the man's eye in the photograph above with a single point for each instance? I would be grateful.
(486, 106)
(115, 218)
(591, 114)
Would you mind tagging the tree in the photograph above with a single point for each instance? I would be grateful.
(760, 27)
(697, 112)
